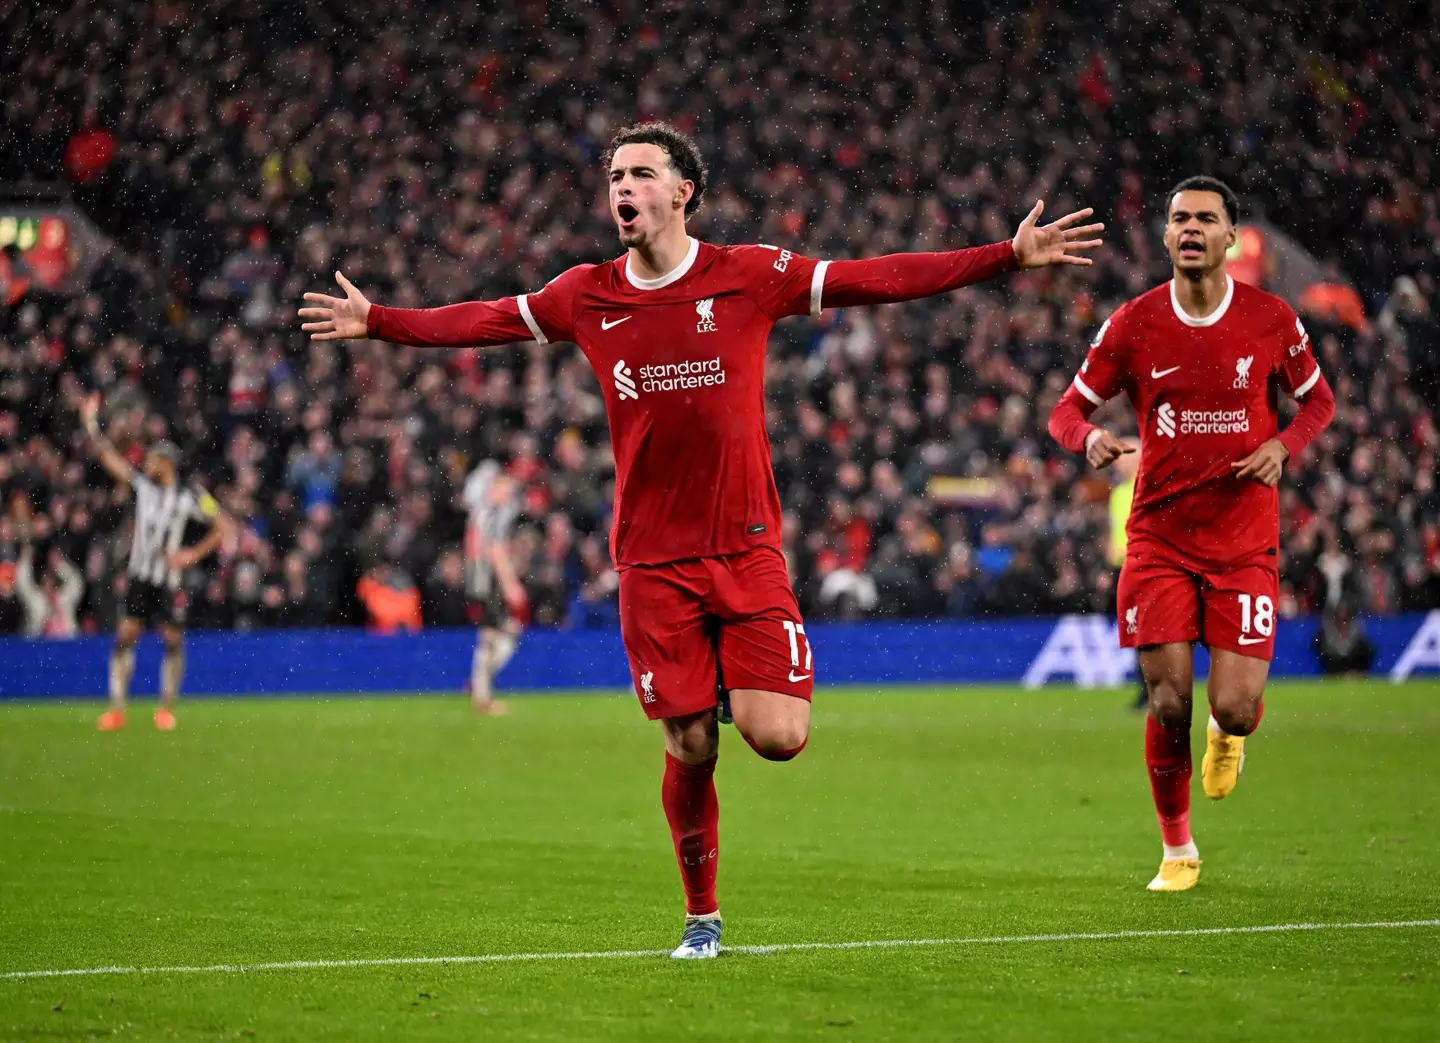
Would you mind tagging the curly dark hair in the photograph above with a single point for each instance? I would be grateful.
(1205, 183)
(683, 152)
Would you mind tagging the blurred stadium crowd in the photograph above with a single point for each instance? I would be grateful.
(238, 156)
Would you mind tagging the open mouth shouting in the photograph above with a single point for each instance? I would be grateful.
(628, 213)
(1192, 249)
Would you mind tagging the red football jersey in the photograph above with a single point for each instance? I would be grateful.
(681, 361)
(1205, 392)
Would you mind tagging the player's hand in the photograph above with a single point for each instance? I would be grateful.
(90, 413)
(335, 318)
(516, 600)
(1265, 464)
(180, 560)
(1059, 242)
(1102, 448)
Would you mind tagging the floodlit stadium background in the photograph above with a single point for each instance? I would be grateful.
(178, 174)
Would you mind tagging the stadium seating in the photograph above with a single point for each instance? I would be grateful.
(435, 157)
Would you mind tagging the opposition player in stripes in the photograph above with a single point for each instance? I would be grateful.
(676, 329)
(1202, 359)
(153, 599)
(498, 602)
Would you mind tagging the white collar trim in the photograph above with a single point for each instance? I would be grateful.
(1208, 320)
(673, 275)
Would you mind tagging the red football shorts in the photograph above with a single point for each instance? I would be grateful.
(1163, 599)
(692, 628)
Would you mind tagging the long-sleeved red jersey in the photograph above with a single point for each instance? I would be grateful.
(681, 361)
(1206, 392)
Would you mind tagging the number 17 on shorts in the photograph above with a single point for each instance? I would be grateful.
(796, 633)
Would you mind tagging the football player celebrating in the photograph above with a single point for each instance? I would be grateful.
(164, 506)
(676, 329)
(1201, 358)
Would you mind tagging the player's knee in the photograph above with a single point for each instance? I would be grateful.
(1237, 717)
(694, 739)
(780, 740)
(1169, 703)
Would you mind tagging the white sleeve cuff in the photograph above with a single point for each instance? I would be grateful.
(1084, 389)
(524, 301)
(817, 286)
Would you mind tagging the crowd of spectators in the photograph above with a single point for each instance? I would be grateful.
(239, 155)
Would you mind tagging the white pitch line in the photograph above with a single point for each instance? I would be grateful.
(745, 950)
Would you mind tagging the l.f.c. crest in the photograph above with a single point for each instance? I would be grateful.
(706, 310)
(1242, 372)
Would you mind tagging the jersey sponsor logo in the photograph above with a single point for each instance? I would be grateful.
(672, 376)
(683, 376)
(1156, 374)
(606, 324)
(1100, 334)
(1214, 421)
(1200, 421)
(706, 310)
(1242, 372)
(1251, 640)
(647, 686)
(797, 678)
(783, 261)
(624, 381)
(1165, 419)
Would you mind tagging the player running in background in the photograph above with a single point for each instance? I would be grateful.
(163, 507)
(677, 329)
(1202, 359)
(497, 598)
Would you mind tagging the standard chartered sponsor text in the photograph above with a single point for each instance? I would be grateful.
(1214, 421)
(680, 376)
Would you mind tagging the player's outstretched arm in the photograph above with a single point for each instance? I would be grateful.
(337, 318)
(118, 467)
(473, 324)
(911, 276)
(1065, 241)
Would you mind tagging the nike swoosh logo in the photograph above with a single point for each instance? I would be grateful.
(1252, 640)
(1156, 374)
(606, 324)
(794, 677)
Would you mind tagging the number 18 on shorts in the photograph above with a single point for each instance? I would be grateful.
(1161, 602)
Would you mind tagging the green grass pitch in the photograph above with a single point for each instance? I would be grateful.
(375, 828)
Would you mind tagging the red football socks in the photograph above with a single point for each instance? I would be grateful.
(693, 811)
(1167, 756)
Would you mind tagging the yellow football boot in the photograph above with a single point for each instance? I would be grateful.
(1176, 874)
(1224, 760)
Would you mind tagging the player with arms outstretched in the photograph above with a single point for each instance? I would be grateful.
(1202, 358)
(164, 506)
(676, 329)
